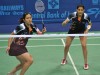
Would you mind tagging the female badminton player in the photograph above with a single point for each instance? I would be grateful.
(16, 47)
(78, 26)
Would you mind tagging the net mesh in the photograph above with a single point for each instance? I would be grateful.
(50, 35)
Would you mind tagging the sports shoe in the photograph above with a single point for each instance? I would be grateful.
(10, 73)
(64, 61)
(86, 67)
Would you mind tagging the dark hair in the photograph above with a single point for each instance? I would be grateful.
(23, 17)
(81, 6)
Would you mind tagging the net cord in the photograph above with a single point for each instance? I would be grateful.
(48, 35)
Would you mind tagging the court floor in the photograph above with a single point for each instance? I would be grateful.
(47, 54)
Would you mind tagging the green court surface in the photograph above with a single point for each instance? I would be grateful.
(47, 55)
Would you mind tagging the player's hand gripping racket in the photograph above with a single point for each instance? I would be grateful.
(39, 6)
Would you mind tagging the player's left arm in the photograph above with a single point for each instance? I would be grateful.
(89, 24)
(37, 30)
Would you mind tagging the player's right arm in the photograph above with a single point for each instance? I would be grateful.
(65, 22)
(69, 18)
(17, 30)
(9, 42)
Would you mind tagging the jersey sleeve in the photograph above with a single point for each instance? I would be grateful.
(18, 29)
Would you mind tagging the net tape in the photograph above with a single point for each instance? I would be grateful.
(50, 35)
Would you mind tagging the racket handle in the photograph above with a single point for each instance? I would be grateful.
(43, 25)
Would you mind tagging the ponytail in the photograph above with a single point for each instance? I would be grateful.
(21, 20)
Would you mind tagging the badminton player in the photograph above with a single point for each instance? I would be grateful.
(16, 46)
(78, 26)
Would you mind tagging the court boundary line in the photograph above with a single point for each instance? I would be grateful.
(56, 45)
(76, 71)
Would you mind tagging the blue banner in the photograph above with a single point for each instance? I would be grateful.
(11, 11)
(55, 11)
(93, 9)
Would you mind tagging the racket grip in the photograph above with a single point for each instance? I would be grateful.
(43, 25)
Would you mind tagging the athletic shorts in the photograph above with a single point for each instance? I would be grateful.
(78, 31)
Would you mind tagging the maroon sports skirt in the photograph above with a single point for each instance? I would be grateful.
(16, 50)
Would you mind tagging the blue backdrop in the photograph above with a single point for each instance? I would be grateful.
(55, 12)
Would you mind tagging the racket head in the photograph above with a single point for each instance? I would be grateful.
(39, 6)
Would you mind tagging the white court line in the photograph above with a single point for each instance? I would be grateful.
(37, 46)
(55, 45)
(76, 71)
(86, 44)
(58, 38)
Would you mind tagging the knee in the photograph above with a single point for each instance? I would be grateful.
(84, 45)
(30, 60)
(67, 45)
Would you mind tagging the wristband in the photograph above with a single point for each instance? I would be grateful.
(88, 27)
